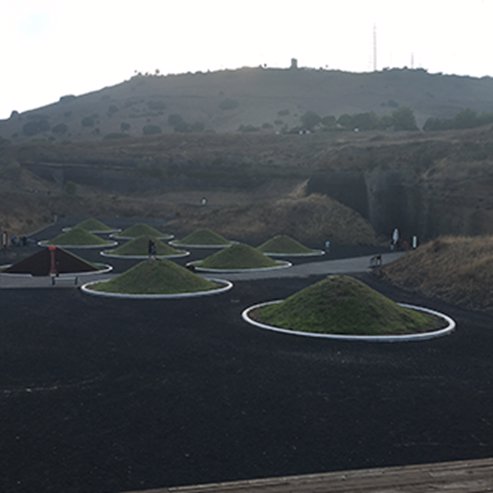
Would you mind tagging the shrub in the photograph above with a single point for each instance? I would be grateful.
(35, 127)
(60, 129)
(124, 126)
(112, 109)
(88, 121)
(151, 129)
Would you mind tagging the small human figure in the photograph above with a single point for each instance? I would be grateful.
(203, 201)
(5, 239)
(327, 246)
(151, 249)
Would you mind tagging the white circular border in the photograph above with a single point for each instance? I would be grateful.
(177, 243)
(391, 338)
(285, 264)
(87, 290)
(314, 253)
(95, 231)
(44, 243)
(143, 257)
(165, 237)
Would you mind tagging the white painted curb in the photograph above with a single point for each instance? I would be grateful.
(143, 257)
(285, 264)
(164, 237)
(315, 253)
(227, 285)
(177, 243)
(44, 243)
(96, 232)
(391, 338)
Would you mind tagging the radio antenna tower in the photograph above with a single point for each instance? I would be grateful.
(374, 48)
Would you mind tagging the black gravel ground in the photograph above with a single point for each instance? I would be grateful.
(100, 395)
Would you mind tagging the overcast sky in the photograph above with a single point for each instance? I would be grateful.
(50, 48)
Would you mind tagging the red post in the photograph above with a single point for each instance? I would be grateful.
(53, 269)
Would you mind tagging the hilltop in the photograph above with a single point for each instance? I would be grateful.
(264, 100)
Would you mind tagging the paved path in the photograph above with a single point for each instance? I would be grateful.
(349, 265)
(452, 477)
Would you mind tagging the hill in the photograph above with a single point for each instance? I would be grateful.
(248, 99)
(458, 270)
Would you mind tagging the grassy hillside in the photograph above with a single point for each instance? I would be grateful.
(343, 305)
(78, 236)
(313, 219)
(458, 270)
(267, 100)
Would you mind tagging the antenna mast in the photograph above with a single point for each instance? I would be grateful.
(374, 48)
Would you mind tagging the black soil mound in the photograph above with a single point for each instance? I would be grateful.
(39, 264)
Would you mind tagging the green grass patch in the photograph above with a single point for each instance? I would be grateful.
(92, 224)
(140, 230)
(284, 244)
(78, 236)
(344, 305)
(204, 237)
(238, 256)
(156, 277)
(140, 245)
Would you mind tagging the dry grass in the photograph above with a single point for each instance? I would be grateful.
(311, 219)
(458, 270)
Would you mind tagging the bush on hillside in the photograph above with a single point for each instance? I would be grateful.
(35, 127)
(151, 129)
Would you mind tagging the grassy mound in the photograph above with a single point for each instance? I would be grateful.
(141, 230)
(238, 257)
(92, 224)
(156, 277)
(458, 270)
(78, 236)
(284, 244)
(344, 305)
(139, 246)
(204, 237)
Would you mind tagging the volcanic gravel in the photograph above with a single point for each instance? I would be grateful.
(102, 395)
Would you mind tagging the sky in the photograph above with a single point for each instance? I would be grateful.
(52, 48)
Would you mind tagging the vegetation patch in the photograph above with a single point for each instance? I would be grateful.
(238, 256)
(156, 277)
(284, 244)
(344, 305)
(204, 237)
(140, 245)
(458, 270)
(92, 224)
(78, 236)
(142, 229)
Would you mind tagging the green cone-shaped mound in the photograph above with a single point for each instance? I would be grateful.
(142, 229)
(344, 305)
(238, 256)
(284, 244)
(140, 245)
(78, 236)
(156, 277)
(204, 237)
(93, 224)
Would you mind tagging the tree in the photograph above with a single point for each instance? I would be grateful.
(403, 119)
(310, 119)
